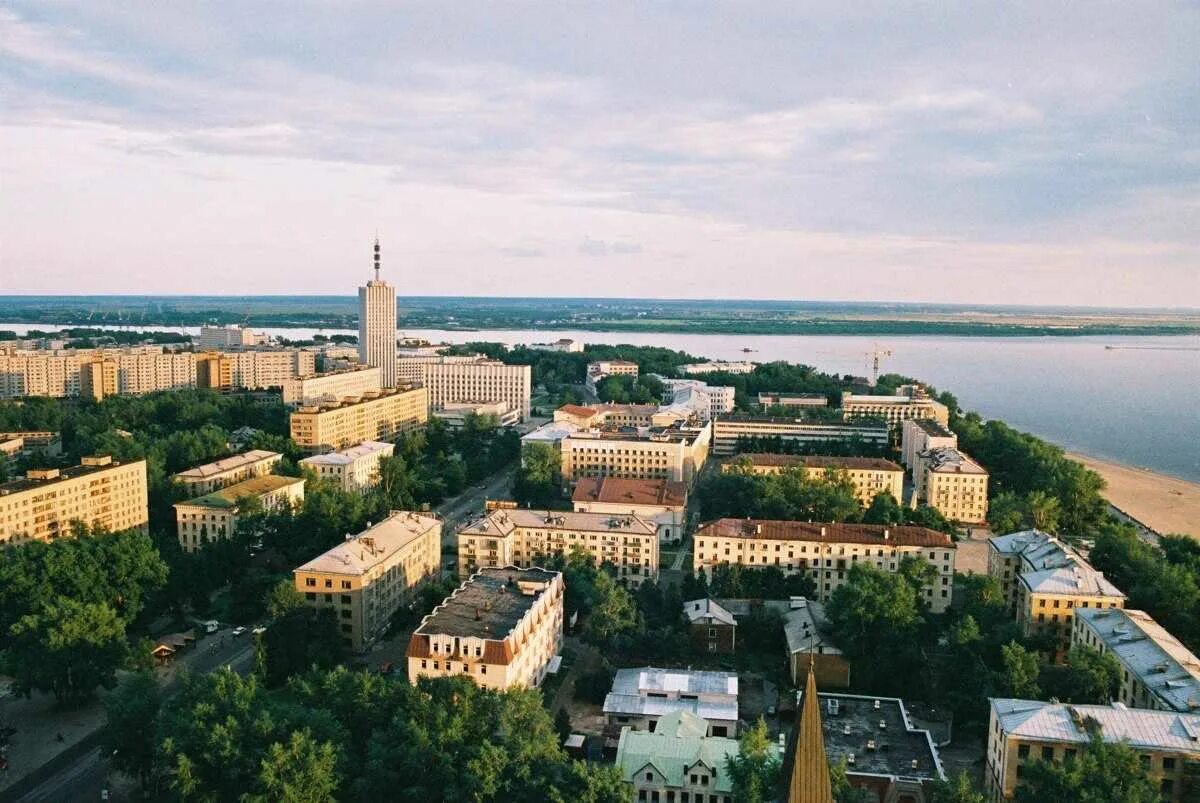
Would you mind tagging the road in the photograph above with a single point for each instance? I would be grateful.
(469, 504)
(86, 777)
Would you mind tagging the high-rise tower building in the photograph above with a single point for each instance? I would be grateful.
(377, 326)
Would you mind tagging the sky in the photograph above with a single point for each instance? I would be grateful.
(1025, 153)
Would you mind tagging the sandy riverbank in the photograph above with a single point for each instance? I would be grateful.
(1163, 503)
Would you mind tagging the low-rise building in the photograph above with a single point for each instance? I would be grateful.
(99, 492)
(501, 628)
(910, 401)
(597, 371)
(708, 401)
(809, 644)
(1022, 731)
(951, 483)
(455, 414)
(331, 386)
(355, 469)
(563, 344)
(883, 751)
(522, 538)
(1157, 671)
(718, 367)
(227, 471)
(662, 502)
(737, 432)
(711, 626)
(641, 697)
(826, 552)
(793, 400)
(214, 516)
(921, 435)
(870, 476)
(675, 452)
(677, 762)
(378, 415)
(17, 444)
(1045, 581)
(368, 577)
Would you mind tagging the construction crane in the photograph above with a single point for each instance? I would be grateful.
(874, 356)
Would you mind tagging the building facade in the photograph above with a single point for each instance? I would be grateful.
(480, 381)
(99, 492)
(640, 698)
(214, 516)
(921, 435)
(501, 628)
(792, 400)
(826, 552)
(564, 344)
(316, 388)
(522, 538)
(870, 476)
(456, 414)
(1157, 671)
(709, 401)
(910, 401)
(1022, 731)
(711, 627)
(951, 483)
(227, 471)
(228, 337)
(662, 502)
(355, 469)
(258, 369)
(376, 415)
(730, 432)
(366, 578)
(719, 366)
(675, 453)
(377, 326)
(677, 763)
(97, 373)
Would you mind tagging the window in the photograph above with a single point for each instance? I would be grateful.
(1168, 763)
(649, 776)
(310, 581)
(346, 584)
(1047, 754)
(346, 599)
(1023, 751)
(1167, 787)
(329, 584)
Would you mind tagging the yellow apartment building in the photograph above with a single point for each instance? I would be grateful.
(910, 401)
(214, 516)
(227, 471)
(501, 628)
(98, 492)
(366, 579)
(826, 552)
(953, 484)
(522, 538)
(377, 415)
(870, 476)
(316, 388)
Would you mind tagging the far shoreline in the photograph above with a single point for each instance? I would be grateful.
(1162, 502)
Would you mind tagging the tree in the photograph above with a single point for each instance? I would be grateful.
(1103, 772)
(613, 614)
(958, 789)
(283, 598)
(1020, 675)
(68, 648)
(1092, 676)
(884, 509)
(562, 724)
(131, 709)
(876, 612)
(1006, 513)
(538, 478)
(299, 640)
(843, 792)
(301, 771)
(755, 769)
(1043, 511)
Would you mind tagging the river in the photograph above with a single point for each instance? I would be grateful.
(1137, 403)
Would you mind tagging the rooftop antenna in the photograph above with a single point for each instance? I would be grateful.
(376, 256)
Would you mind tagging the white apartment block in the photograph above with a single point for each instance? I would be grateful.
(921, 435)
(660, 502)
(910, 401)
(501, 628)
(366, 578)
(479, 381)
(228, 337)
(377, 326)
(227, 471)
(720, 366)
(668, 453)
(214, 516)
(764, 431)
(262, 369)
(522, 538)
(97, 373)
(565, 345)
(355, 469)
(597, 371)
(1157, 671)
(376, 415)
(315, 388)
(410, 367)
(708, 401)
(99, 492)
(826, 552)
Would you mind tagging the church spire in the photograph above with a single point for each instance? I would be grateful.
(376, 257)
(809, 781)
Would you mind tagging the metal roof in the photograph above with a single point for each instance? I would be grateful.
(1169, 670)
(347, 456)
(374, 545)
(228, 464)
(1143, 729)
(707, 610)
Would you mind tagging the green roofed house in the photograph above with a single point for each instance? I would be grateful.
(677, 761)
(207, 518)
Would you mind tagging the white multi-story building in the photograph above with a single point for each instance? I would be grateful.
(564, 344)
(377, 326)
(410, 365)
(766, 434)
(922, 434)
(257, 369)
(708, 401)
(662, 502)
(720, 366)
(96, 373)
(214, 516)
(910, 401)
(228, 337)
(355, 469)
(227, 471)
(316, 388)
(597, 371)
(479, 381)
(951, 483)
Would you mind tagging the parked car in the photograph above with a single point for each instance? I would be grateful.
(239, 630)
(258, 631)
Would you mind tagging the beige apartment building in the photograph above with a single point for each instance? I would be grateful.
(675, 453)
(355, 469)
(366, 578)
(316, 388)
(480, 381)
(910, 401)
(214, 516)
(258, 369)
(1044, 581)
(731, 431)
(227, 471)
(795, 400)
(870, 476)
(661, 502)
(952, 484)
(98, 373)
(1157, 671)
(410, 366)
(522, 538)
(99, 492)
(922, 435)
(826, 552)
(1022, 731)
(228, 337)
(376, 415)
(501, 628)
(718, 366)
